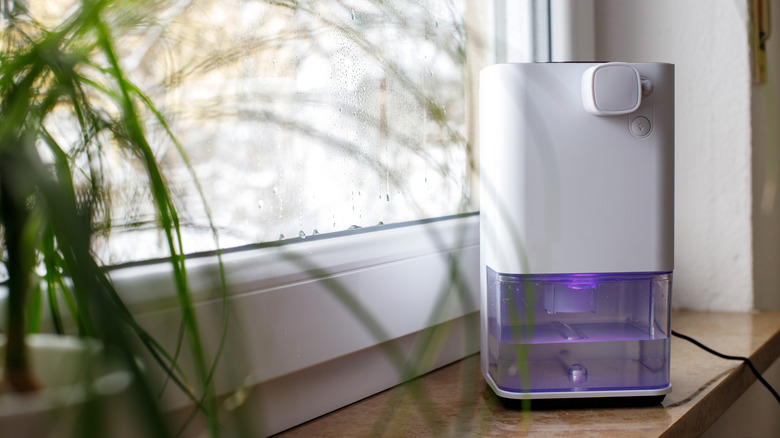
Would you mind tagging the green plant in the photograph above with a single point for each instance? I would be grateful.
(66, 109)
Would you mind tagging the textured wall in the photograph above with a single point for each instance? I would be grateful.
(708, 42)
(766, 171)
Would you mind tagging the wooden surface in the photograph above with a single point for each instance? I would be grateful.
(455, 401)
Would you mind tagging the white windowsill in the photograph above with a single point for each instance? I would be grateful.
(316, 325)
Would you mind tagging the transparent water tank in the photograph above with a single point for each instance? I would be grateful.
(580, 332)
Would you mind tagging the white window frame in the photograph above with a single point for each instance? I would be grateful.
(297, 342)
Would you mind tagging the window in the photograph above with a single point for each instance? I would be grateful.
(300, 118)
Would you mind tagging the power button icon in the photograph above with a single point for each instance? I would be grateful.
(640, 126)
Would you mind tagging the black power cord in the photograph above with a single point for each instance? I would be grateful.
(725, 356)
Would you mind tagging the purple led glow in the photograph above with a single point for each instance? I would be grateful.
(581, 286)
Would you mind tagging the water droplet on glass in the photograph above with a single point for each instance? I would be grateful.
(431, 73)
(281, 236)
(359, 193)
(301, 234)
(315, 232)
(388, 197)
(380, 224)
(353, 13)
(276, 190)
(260, 204)
(354, 227)
(426, 179)
(341, 109)
(274, 61)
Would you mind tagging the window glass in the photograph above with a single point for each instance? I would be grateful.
(298, 118)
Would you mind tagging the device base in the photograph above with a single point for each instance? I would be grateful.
(584, 403)
(563, 395)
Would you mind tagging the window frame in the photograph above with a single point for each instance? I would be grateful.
(373, 303)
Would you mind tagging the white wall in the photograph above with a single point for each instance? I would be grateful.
(766, 150)
(708, 42)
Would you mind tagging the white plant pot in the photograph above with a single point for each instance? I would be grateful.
(71, 372)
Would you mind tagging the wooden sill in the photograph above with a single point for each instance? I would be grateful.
(455, 401)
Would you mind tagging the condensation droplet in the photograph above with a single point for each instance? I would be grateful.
(388, 197)
(353, 13)
(276, 190)
(281, 236)
(354, 227)
(315, 232)
(274, 61)
(260, 204)
(301, 234)
(380, 224)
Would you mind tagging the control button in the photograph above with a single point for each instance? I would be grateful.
(640, 126)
